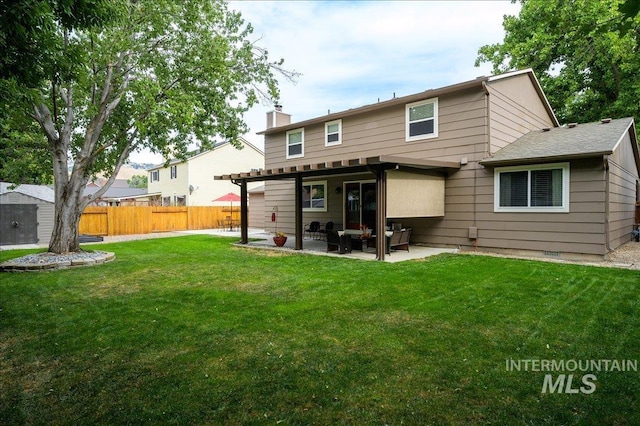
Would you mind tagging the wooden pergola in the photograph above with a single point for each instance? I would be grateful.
(377, 165)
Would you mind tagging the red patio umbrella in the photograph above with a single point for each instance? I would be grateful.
(231, 197)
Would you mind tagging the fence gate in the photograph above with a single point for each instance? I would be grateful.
(18, 224)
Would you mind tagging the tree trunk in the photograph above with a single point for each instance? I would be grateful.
(64, 238)
(69, 204)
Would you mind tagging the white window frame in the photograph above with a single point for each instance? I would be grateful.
(290, 132)
(174, 172)
(316, 183)
(566, 181)
(155, 175)
(408, 107)
(326, 133)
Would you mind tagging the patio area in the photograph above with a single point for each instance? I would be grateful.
(315, 246)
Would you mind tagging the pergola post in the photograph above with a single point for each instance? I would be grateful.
(381, 212)
(298, 211)
(244, 213)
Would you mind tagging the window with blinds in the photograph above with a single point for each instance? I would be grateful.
(539, 188)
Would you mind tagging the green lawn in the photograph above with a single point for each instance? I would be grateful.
(192, 330)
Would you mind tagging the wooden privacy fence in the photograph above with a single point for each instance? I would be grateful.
(125, 220)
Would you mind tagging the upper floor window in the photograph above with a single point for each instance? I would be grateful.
(155, 176)
(333, 133)
(295, 143)
(313, 196)
(539, 188)
(422, 120)
(174, 172)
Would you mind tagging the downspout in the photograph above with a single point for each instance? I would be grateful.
(486, 153)
(605, 160)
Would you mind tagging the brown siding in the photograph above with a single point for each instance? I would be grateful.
(462, 133)
(623, 181)
(256, 210)
(515, 109)
(466, 121)
(579, 232)
(461, 128)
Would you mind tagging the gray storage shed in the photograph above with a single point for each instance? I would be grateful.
(26, 214)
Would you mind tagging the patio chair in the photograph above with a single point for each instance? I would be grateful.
(312, 229)
(339, 243)
(400, 239)
(323, 231)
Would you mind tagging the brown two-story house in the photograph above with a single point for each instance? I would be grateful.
(480, 165)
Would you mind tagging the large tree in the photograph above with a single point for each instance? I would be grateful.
(586, 54)
(103, 78)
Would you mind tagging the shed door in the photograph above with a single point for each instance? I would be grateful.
(18, 224)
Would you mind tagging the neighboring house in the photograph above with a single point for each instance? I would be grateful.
(480, 165)
(190, 182)
(26, 214)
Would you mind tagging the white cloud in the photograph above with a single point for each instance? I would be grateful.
(352, 53)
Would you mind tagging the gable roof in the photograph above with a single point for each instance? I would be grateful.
(40, 192)
(564, 143)
(196, 154)
(478, 83)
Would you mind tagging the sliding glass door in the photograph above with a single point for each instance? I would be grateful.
(360, 204)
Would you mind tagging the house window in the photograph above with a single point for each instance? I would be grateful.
(333, 133)
(314, 196)
(155, 176)
(422, 120)
(174, 172)
(539, 188)
(295, 143)
(166, 201)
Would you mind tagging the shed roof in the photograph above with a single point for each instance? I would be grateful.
(40, 192)
(563, 143)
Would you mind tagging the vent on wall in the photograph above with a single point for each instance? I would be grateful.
(551, 253)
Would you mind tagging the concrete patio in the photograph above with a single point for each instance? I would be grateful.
(319, 247)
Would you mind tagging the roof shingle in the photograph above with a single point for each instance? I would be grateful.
(558, 143)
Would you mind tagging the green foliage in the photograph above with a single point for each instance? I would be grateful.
(24, 157)
(138, 181)
(104, 78)
(584, 52)
(125, 75)
(192, 330)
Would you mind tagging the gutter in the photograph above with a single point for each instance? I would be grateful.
(605, 160)
(431, 93)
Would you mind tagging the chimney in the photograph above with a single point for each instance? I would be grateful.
(277, 118)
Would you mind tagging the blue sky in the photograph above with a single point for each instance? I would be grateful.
(352, 53)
